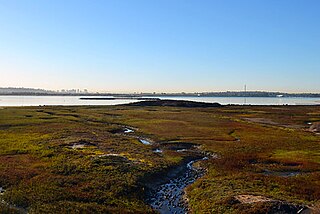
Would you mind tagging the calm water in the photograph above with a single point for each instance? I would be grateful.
(253, 100)
(74, 100)
(54, 100)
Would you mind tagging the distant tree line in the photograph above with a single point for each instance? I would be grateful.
(35, 92)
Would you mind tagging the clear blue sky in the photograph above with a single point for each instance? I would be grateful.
(161, 45)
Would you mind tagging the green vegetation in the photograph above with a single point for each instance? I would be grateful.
(77, 160)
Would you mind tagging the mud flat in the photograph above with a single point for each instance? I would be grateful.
(274, 206)
(174, 103)
(81, 144)
(315, 127)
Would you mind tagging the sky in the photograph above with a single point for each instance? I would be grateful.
(161, 45)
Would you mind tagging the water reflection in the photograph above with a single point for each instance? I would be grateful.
(76, 101)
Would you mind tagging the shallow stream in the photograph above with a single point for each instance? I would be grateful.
(168, 197)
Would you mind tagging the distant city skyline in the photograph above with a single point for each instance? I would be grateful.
(161, 46)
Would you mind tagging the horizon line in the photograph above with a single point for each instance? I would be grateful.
(82, 90)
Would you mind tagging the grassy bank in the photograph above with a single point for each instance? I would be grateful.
(77, 159)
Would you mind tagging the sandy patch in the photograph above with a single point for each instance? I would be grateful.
(315, 127)
(248, 199)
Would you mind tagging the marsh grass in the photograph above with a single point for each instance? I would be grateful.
(43, 173)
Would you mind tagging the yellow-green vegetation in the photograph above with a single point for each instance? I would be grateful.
(75, 159)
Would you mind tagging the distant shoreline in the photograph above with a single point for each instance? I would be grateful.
(154, 96)
(12, 91)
